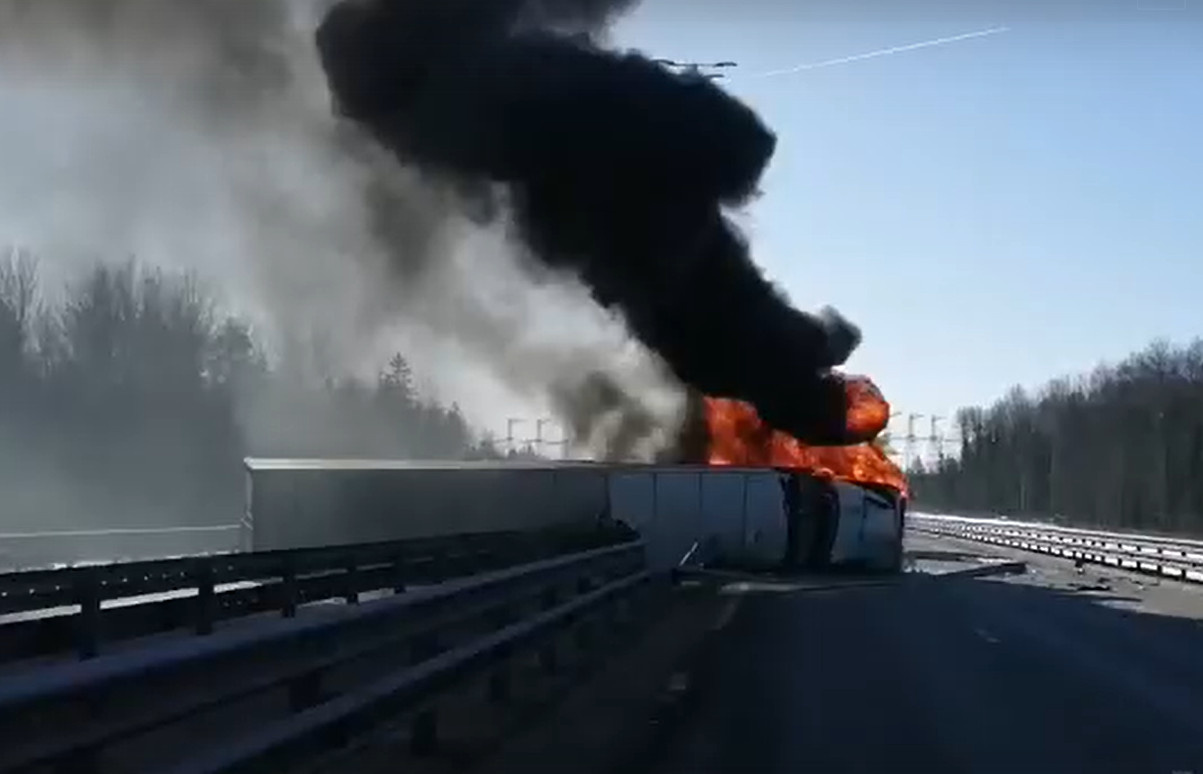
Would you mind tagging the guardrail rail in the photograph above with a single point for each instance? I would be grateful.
(1153, 555)
(80, 609)
(55, 549)
(271, 697)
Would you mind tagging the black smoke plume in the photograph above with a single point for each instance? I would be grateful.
(612, 167)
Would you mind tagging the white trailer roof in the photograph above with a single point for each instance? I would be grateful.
(336, 463)
(285, 463)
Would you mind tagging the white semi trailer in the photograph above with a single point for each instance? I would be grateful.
(752, 517)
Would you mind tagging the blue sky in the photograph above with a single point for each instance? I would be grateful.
(992, 212)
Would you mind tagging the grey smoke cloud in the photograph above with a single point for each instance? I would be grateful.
(199, 134)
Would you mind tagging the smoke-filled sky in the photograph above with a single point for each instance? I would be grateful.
(603, 166)
(199, 134)
(991, 211)
(994, 211)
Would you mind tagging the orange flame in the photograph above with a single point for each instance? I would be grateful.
(739, 437)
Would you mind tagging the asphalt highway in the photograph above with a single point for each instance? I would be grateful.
(1057, 671)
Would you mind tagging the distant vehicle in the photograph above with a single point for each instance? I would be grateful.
(756, 518)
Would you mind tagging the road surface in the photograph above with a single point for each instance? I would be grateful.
(1059, 670)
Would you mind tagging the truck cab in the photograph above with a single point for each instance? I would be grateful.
(793, 522)
(872, 526)
(841, 525)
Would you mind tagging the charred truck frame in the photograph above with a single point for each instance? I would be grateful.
(754, 518)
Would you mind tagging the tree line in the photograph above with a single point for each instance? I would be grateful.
(130, 400)
(1121, 447)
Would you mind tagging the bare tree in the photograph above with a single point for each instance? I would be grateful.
(18, 298)
(132, 401)
(1121, 447)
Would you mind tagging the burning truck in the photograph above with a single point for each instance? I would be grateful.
(760, 499)
(608, 166)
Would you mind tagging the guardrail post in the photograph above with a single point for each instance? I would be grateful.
(87, 595)
(351, 581)
(437, 568)
(583, 636)
(463, 560)
(204, 596)
(288, 588)
(500, 684)
(628, 609)
(469, 557)
(399, 574)
(485, 559)
(620, 612)
(424, 729)
(548, 654)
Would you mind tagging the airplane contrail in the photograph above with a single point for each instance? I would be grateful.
(880, 52)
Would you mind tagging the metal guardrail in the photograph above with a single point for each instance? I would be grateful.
(65, 548)
(1154, 555)
(45, 612)
(332, 678)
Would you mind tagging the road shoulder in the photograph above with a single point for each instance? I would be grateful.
(617, 717)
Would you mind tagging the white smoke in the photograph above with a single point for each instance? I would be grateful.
(197, 134)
